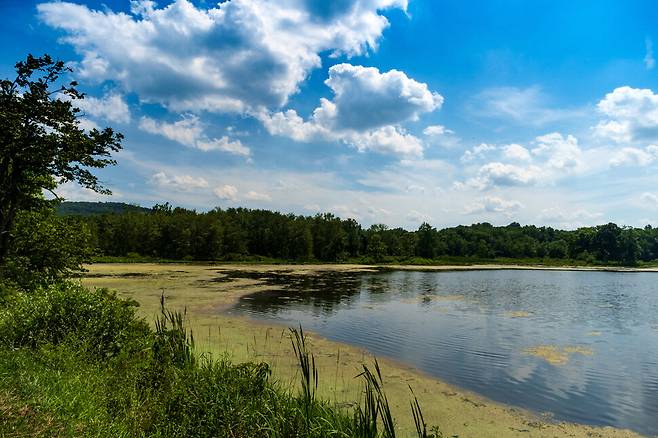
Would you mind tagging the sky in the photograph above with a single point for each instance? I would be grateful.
(385, 111)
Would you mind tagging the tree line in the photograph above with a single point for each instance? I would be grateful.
(239, 233)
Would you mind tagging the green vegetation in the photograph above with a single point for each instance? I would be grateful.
(75, 362)
(41, 142)
(82, 364)
(238, 234)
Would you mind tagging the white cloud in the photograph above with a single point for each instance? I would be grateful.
(649, 61)
(224, 144)
(111, 107)
(436, 130)
(501, 174)
(71, 191)
(553, 156)
(366, 111)
(516, 152)
(364, 98)
(630, 156)
(478, 152)
(86, 124)
(567, 219)
(238, 55)
(562, 153)
(226, 192)
(632, 113)
(229, 192)
(387, 140)
(188, 131)
(178, 182)
(616, 131)
(257, 196)
(493, 204)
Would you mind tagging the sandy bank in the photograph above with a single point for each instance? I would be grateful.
(202, 290)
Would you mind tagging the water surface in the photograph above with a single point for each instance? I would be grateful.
(479, 330)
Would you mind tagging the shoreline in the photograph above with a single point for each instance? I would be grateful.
(455, 410)
(260, 266)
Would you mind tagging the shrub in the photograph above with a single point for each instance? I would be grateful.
(96, 321)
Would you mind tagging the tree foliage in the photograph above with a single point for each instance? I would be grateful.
(41, 141)
(238, 233)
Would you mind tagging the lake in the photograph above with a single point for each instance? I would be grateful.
(577, 346)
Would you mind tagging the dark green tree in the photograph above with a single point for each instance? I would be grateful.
(425, 246)
(41, 141)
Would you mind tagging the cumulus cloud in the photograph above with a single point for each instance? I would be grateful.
(111, 107)
(226, 192)
(478, 152)
(502, 174)
(238, 55)
(516, 152)
(493, 204)
(87, 124)
(229, 192)
(366, 111)
(257, 196)
(551, 157)
(560, 152)
(630, 156)
(436, 130)
(188, 131)
(364, 98)
(631, 114)
(178, 182)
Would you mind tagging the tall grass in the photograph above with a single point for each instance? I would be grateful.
(172, 342)
(82, 364)
(372, 418)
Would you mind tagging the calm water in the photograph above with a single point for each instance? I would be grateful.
(462, 327)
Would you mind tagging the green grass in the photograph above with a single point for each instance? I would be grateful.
(80, 363)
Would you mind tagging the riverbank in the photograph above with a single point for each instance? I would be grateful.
(206, 292)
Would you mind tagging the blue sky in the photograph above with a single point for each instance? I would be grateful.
(391, 111)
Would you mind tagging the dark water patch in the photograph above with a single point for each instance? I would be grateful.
(580, 346)
(122, 275)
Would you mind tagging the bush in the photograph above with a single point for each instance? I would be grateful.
(96, 321)
(45, 248)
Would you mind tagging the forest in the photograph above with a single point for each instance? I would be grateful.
(175, 233)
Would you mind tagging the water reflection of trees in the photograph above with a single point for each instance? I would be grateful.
(319, 293)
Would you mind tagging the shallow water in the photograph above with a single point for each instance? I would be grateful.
(581, 346)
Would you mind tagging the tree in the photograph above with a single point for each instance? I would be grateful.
(426, 240)
(376, 248)
(41, 141)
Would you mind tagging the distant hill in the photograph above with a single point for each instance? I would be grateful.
(96, 208)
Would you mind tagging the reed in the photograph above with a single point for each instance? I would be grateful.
(152, 383)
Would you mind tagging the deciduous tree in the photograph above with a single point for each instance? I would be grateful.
(42, 143)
